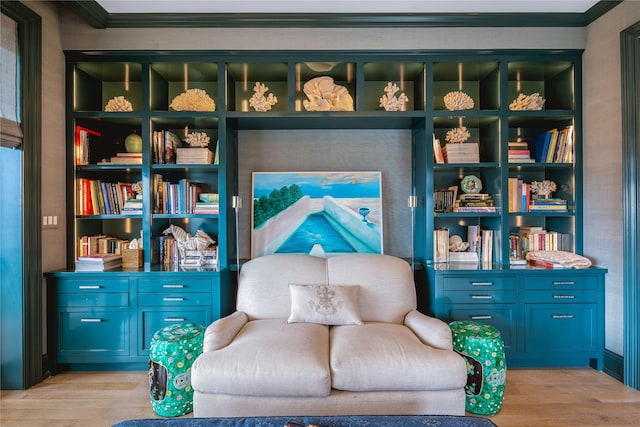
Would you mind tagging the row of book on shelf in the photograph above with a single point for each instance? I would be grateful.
(552, 146)
(520, 199)
(447, 200)
(100, 252)
(182, 197)
(95, 197)
(480, 245)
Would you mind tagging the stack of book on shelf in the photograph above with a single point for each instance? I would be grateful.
(132, 207)
(167, 250)
(101, 243)
(98, 262)
(474, 203)
(175, 198)
(124, 159)
(194, 156)
(83, 144)
(463, 257)
(519, 195)
(555, 145)
(208, 258)
(101, 198)
(209, 207)
(444, 198)
(438, 155)
(466, 152)
(551, 205)
(519, 152)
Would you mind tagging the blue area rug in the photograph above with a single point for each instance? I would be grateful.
(337, 421)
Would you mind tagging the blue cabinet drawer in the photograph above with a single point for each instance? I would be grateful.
(181, 284)
(479, 295)
(502, 317)
(93, 299)
(174, 299)
(485, 282)
(559, 282)
(103, 332)
(560, 328)
(93, 285)
(561, 296)
(151, 321)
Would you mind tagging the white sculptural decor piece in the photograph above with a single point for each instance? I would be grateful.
(186, 242)
(389, 101)
(457, 135)
(543, 188)
(456, 244)
(197, 139)
(193, 100)
(118, 103)
(533, 102)
(259, 102)
(458, 100)
(325, 95)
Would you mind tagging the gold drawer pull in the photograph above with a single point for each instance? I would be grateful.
(481, 283)
(174, 319)
(564, 282)
(482, 317)
(172, 286)
(169, 299)
(562, 316)
(89, 287)
(91, 320)
(563, 297)
(481, 297)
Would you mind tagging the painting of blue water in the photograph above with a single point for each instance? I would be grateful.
(316, 229)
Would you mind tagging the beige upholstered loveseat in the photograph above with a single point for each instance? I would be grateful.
(275, 355)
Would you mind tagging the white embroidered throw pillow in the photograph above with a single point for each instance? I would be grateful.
(324, 304)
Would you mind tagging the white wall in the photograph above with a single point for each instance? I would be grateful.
(603, 220)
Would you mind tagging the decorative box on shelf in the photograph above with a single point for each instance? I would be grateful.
(194, 155)
(132, 258)
(467, 152)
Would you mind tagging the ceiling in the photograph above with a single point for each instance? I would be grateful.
(339, 13)
(346, 6)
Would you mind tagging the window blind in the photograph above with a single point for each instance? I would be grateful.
(10, 131)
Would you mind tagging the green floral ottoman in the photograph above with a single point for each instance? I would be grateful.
(173, 351)
(482, 348)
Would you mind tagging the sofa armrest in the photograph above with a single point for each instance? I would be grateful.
(431, 331)
(221, 332)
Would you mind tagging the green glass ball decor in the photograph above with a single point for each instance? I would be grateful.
(133, 143)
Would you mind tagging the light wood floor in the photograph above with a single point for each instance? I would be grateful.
(534, 397)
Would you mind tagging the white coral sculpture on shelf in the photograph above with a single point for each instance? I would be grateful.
(457, 135)
(118, 103)
(389, 101)
(193, 100)
(458, 100)
(543, 188)
(186, 241)
(533, 102)
(325, 95)
(259, 102)
(197, 139)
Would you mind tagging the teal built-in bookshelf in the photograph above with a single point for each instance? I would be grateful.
(520, 301)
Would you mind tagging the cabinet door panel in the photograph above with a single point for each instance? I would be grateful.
(101, 332)
(502, 317)
(560, 328)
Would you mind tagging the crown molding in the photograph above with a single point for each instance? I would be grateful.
(96, 16)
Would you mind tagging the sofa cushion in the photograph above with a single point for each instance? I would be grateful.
(387, 289)
(384, 356)
(327, 305)
(268, 358)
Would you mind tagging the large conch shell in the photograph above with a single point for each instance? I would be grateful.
(325, 95)
(458, 100)
(118, 103)
(193, 100)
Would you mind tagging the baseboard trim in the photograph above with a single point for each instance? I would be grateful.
(613, 365)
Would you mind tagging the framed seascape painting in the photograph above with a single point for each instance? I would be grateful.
(322, 213)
